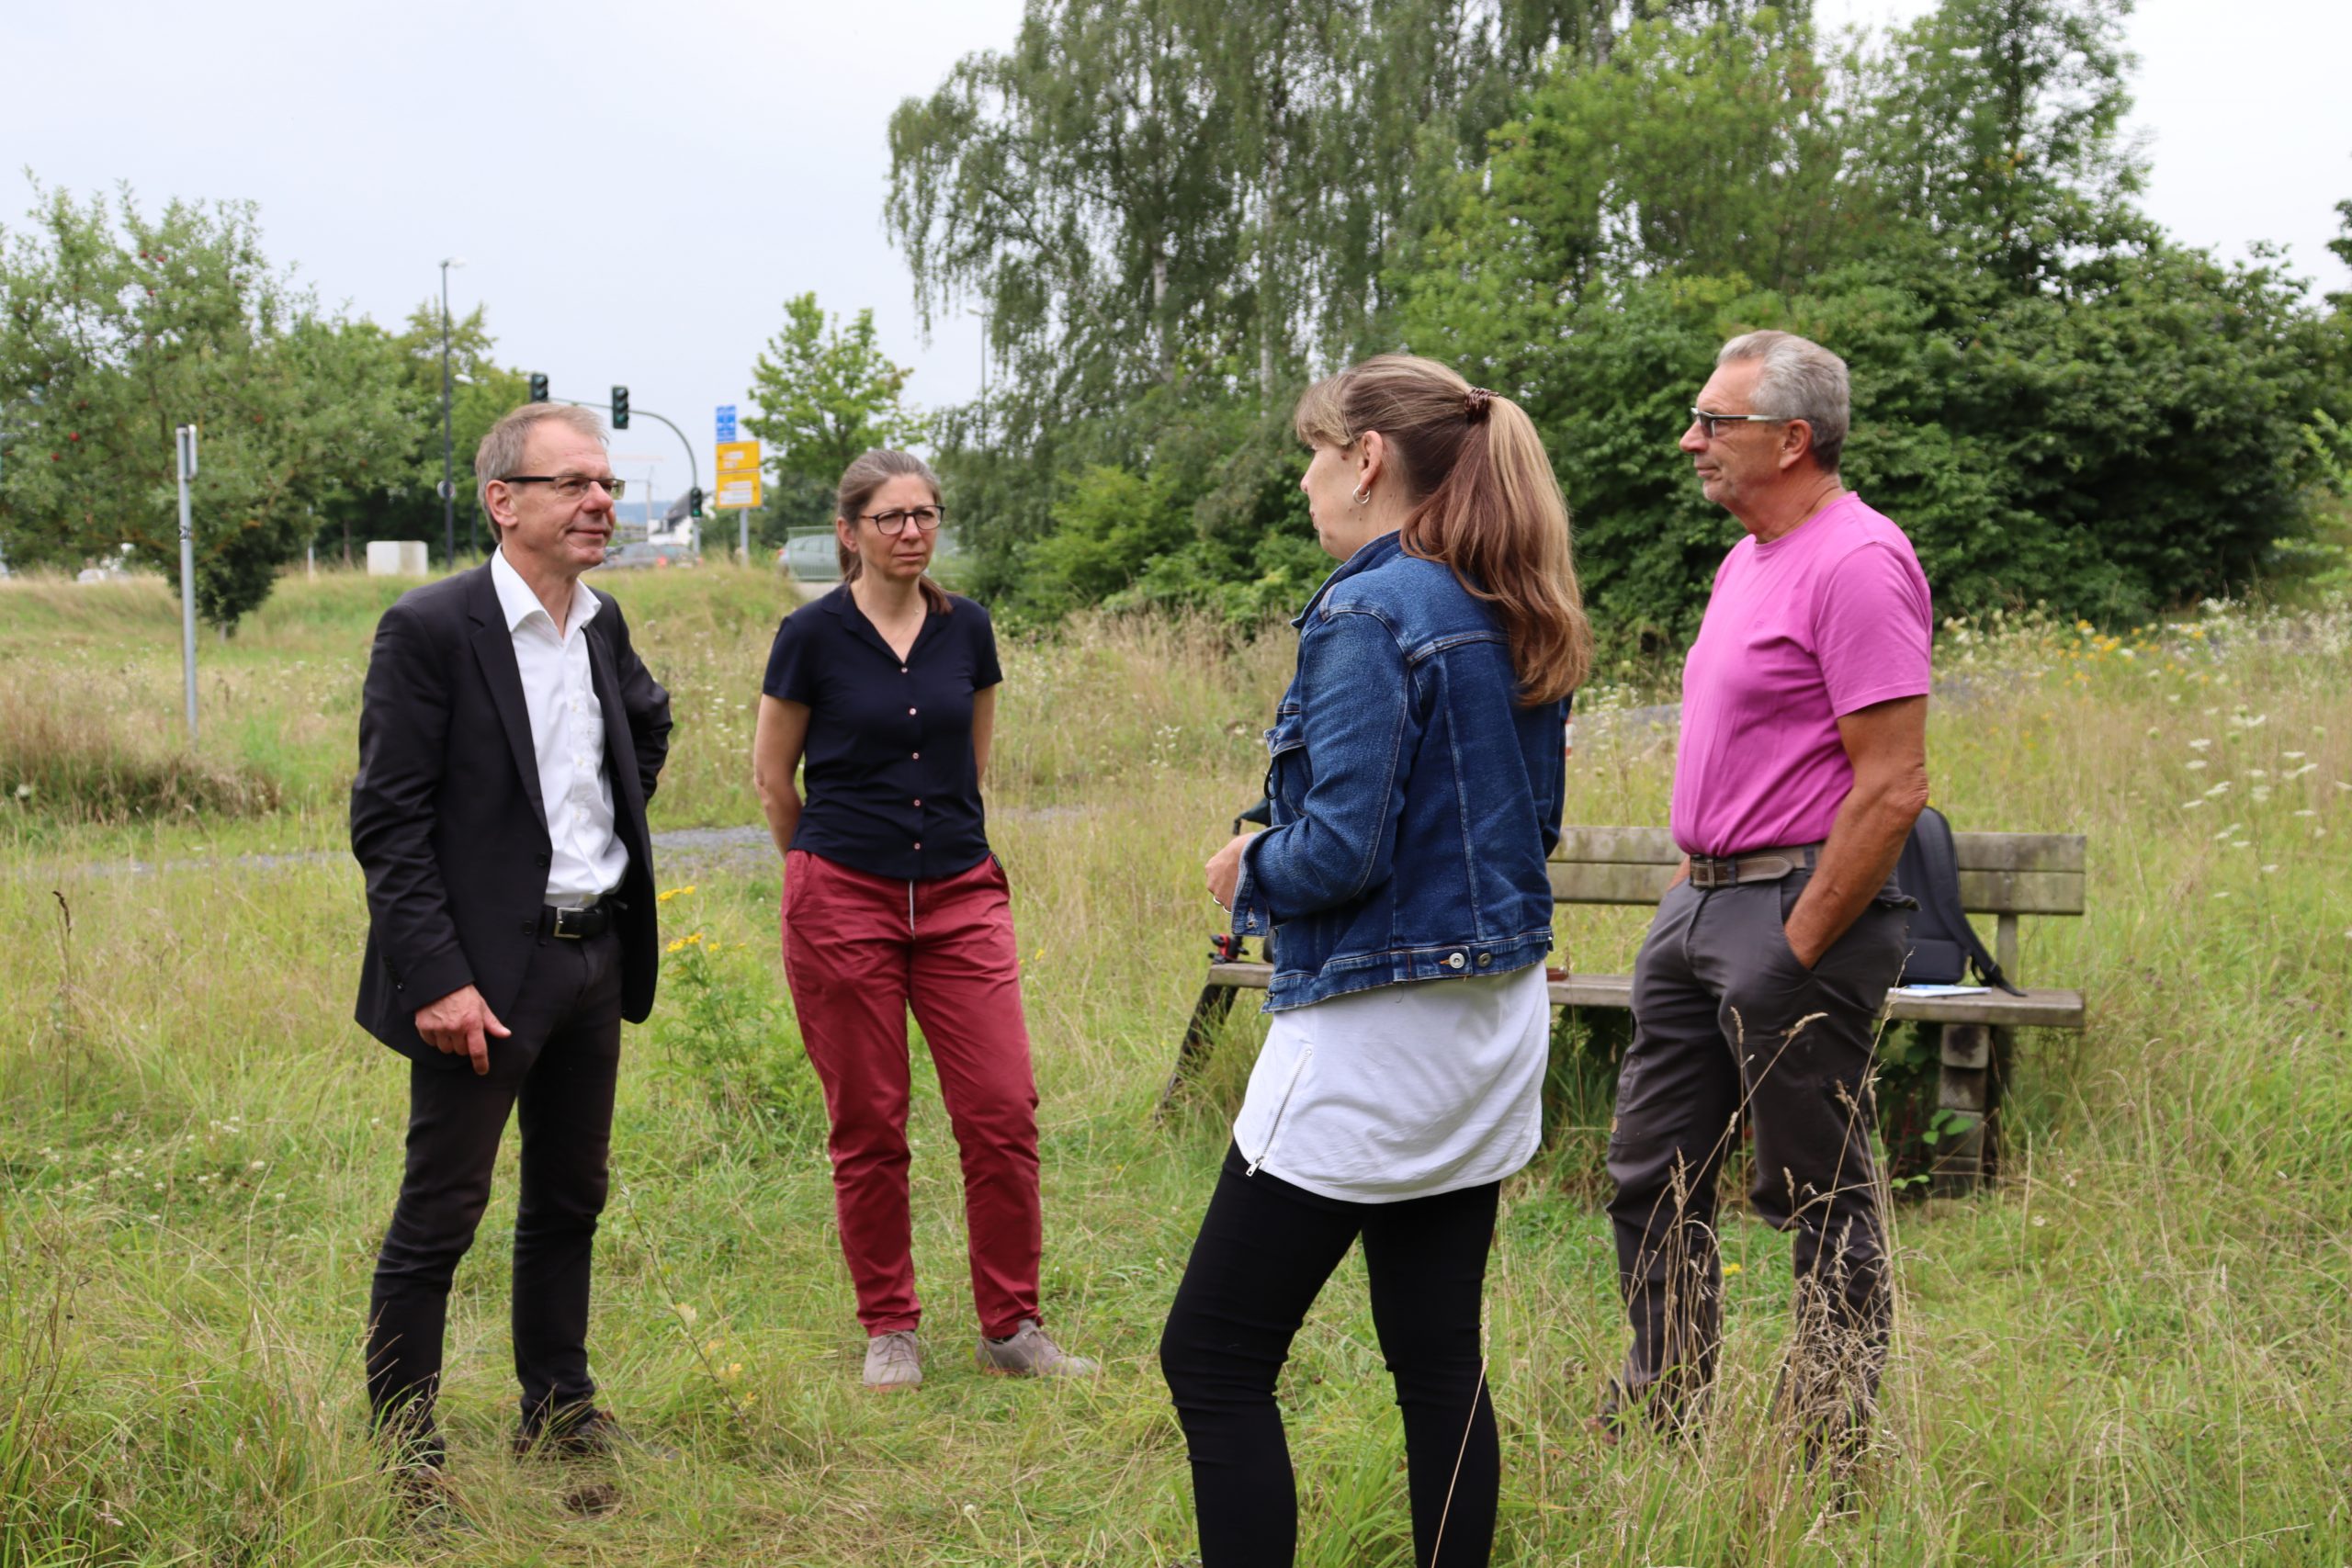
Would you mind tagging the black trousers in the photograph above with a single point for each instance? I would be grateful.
(557, 1071)
(1727, 1026)
(1265, 1249)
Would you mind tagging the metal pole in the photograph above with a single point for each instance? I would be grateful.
(693, 469)
(185, 435)
(449, 473)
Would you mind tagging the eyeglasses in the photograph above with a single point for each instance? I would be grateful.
(893, 524)
(1710, 425)
(570, 487)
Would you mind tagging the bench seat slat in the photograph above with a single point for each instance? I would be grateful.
(2038, 1008)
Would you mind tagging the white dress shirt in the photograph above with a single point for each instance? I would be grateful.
(567, 738)
(1402, 1091)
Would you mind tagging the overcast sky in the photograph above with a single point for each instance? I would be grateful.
(637, 188)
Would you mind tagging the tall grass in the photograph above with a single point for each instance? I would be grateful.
(2134, 1349)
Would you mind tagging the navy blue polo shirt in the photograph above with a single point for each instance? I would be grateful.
(889, 785)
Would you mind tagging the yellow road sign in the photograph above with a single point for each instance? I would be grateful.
(739, 476)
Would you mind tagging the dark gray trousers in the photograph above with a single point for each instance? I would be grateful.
(558, 1069)
(1728, 1026)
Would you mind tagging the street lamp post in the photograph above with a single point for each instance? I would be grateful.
(448, 469)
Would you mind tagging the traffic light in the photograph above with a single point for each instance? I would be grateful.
(620, 408)
(694, 501)
(539, 386)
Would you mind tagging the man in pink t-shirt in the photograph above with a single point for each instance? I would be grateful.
(1803, 765)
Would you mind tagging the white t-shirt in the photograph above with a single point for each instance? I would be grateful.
(1402, 1091)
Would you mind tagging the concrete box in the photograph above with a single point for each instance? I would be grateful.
(396, 558)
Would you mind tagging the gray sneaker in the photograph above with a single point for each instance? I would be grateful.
(1031, 1353)
(893, 1360)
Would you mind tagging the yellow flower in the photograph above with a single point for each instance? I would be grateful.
(1731, 1268)
(674, 893)
(677, 946)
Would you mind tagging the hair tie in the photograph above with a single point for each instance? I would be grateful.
(1475, 405)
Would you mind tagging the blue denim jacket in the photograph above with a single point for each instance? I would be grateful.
(1414, 799)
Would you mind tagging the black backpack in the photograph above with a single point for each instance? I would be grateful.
(1943, 944)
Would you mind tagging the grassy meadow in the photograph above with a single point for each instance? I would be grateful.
(2135, 1349)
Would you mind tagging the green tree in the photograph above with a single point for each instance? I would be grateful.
(1723, 150)
(826, 392)
(115, 327)
(1996, 131)
(2056, 403)
(2342, 247)
(1184, 206)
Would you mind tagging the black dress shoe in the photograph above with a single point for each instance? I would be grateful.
(584, 1433)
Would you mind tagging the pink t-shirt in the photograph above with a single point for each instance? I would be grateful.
(1824, 620)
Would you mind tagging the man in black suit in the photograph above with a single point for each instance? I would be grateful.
(509, 737)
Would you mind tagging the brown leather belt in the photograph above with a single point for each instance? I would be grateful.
(1710, 871)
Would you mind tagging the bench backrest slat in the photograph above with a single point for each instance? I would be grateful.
(2000, 874)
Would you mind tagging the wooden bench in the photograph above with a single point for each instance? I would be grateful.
(2006, 876)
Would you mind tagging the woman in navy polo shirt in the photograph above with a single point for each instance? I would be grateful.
(886, 690)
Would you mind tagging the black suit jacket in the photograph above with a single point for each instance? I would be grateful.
(445, 815)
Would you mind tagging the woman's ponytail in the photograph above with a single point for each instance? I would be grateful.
(1487, 504)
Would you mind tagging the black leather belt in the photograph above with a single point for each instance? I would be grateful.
(574, 924)
(1757, 865)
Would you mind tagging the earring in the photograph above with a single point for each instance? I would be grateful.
(1363, 496)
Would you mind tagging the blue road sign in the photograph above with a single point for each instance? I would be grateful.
(726, 421)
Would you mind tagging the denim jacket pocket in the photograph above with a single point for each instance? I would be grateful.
(1287, 773)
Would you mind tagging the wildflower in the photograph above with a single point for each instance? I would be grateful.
(2041, 1220)
(2268, 869)
(2199, 763)
(2306, 813)
(678, 944)
(686, 1314)
(24, 792)
(1731, 1268)
(674, 893)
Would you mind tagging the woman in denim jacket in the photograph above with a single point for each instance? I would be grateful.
(1415, 780)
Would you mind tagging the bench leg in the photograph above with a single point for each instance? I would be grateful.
(1207, 1013)
(1963, 1099)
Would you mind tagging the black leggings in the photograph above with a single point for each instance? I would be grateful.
(1264, 1251)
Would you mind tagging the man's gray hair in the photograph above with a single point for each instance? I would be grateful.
(501, 452)
(1800, 380)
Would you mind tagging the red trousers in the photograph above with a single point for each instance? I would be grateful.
(858, 952)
